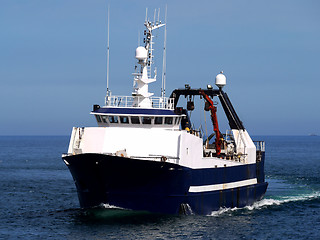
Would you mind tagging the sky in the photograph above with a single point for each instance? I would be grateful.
(53, 59)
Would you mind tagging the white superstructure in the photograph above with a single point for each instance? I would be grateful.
(146, 127)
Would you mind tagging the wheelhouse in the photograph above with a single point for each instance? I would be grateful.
(136, 117)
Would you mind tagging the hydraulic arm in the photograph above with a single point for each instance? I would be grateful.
(214, 119)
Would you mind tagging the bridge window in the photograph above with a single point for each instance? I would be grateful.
(135, 120)
(98, 118)
(104, 119)
(113, 119)
(177, 121)
(168, 120)
(124, 119)
(158, 120)
(146, 120)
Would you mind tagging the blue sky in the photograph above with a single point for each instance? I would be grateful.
(53, 59)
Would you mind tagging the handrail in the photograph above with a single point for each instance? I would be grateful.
(131, 101)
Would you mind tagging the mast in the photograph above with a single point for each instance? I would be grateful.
(108, 50)
(144, 55)
(163, 82)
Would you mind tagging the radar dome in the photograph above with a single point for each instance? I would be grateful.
(141, 53)
(221, 80)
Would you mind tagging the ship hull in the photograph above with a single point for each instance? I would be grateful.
(162, 187)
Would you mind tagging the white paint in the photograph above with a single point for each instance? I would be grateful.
(66, 162)
(191, 149)
(141, 142)
(244, 146)
(223, 186)
(179, 146)
(72, 139)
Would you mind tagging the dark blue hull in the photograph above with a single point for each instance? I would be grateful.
(160, 186)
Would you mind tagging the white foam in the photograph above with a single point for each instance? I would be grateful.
(270, 202)
(264, 203)
(223, 211)
(281, 200)
(108, 206)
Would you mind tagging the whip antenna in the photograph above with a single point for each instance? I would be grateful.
(163, 84)
(108, 50)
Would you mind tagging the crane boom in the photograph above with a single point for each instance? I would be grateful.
(213, 112)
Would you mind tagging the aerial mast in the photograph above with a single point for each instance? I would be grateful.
(108, 52)
(144, 55)
(163, 82)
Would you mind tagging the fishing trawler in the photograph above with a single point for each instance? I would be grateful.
(146, 155)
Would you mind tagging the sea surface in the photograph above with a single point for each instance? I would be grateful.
(38, 199)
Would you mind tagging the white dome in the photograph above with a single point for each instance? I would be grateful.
(221, 80)
(141, 53)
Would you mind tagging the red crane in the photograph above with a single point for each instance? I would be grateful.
(214, 119)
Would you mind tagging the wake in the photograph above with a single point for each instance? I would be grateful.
(270, 202)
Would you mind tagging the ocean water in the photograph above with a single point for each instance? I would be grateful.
(38, 199)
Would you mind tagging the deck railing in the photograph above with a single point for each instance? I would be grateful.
(132, 101)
